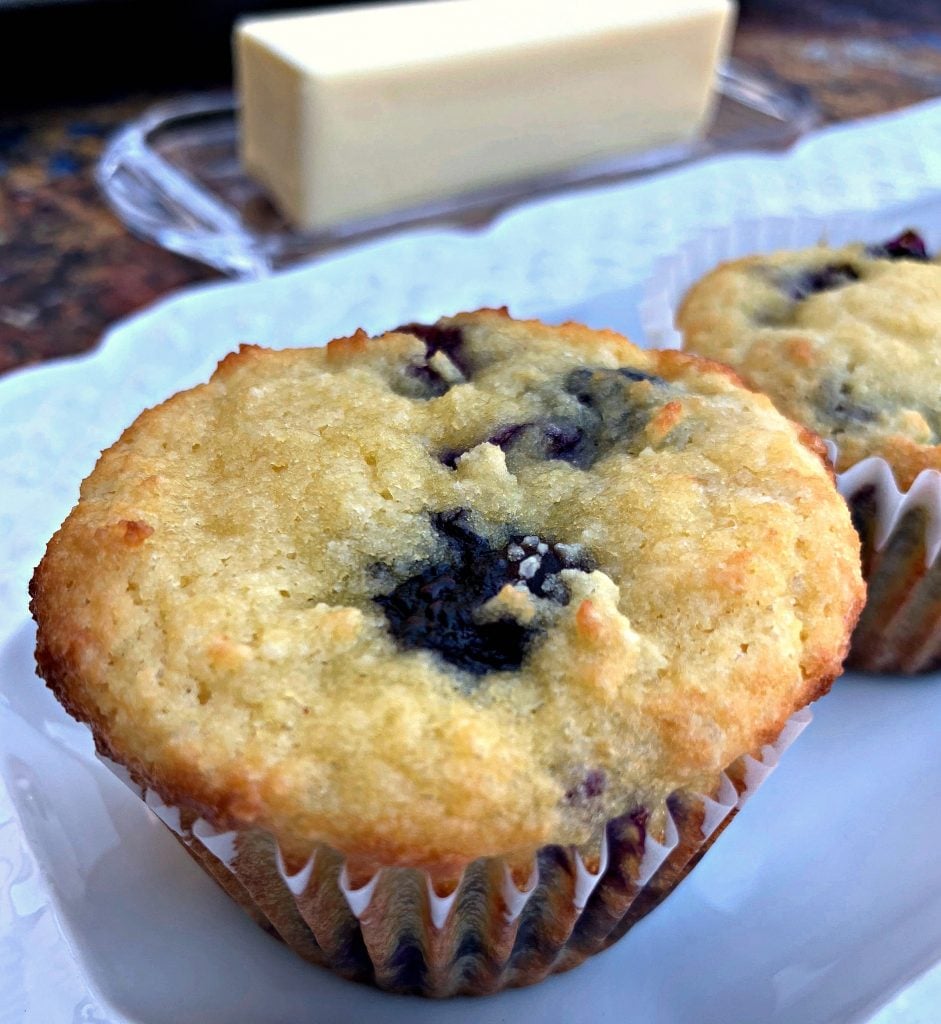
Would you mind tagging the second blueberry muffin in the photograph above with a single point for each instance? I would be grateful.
(464, 604)
(846, 340)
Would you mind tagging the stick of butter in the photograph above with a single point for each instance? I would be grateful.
(351, 114)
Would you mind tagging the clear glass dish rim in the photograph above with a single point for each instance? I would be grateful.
(141, 185)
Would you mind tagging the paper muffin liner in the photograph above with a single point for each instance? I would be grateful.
(900, 627)
(499, 927)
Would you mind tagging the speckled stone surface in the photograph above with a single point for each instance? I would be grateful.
(855, 57)
(68, 268)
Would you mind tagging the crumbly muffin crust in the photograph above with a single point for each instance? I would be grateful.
(454, 592)
(843, 340)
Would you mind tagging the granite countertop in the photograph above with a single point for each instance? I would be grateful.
(68, 268)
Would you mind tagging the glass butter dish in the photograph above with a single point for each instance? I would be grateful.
(173, 176)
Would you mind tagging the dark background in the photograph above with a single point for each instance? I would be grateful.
(81, 50)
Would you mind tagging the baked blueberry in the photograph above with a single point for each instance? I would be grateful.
(837, 405)
(608, 414)
(909, 245)
(439, 606)
(801, 284)
(590, 786)
(435, 375)
(616, 405)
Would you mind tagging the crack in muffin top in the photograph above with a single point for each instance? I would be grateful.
(846, 341)
(452, 592)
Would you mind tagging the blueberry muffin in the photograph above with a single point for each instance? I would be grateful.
(413, 618)
(846, 342)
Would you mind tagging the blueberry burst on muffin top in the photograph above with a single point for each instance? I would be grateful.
(459, 590)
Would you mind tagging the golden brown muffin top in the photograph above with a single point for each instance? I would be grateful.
(457, 591)
(843, 340)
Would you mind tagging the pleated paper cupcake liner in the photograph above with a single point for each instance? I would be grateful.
(900, 628)
(496, 929)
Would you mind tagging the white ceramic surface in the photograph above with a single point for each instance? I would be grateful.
(818, 904)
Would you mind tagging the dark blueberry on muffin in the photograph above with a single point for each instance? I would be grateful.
(441, 607)
(616, 406)
(909, 245)
(610, 410)
(837, 405)
(444, 363)
(801, 284)
(590, 786)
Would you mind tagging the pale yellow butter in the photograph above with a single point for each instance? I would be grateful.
(352, 114)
